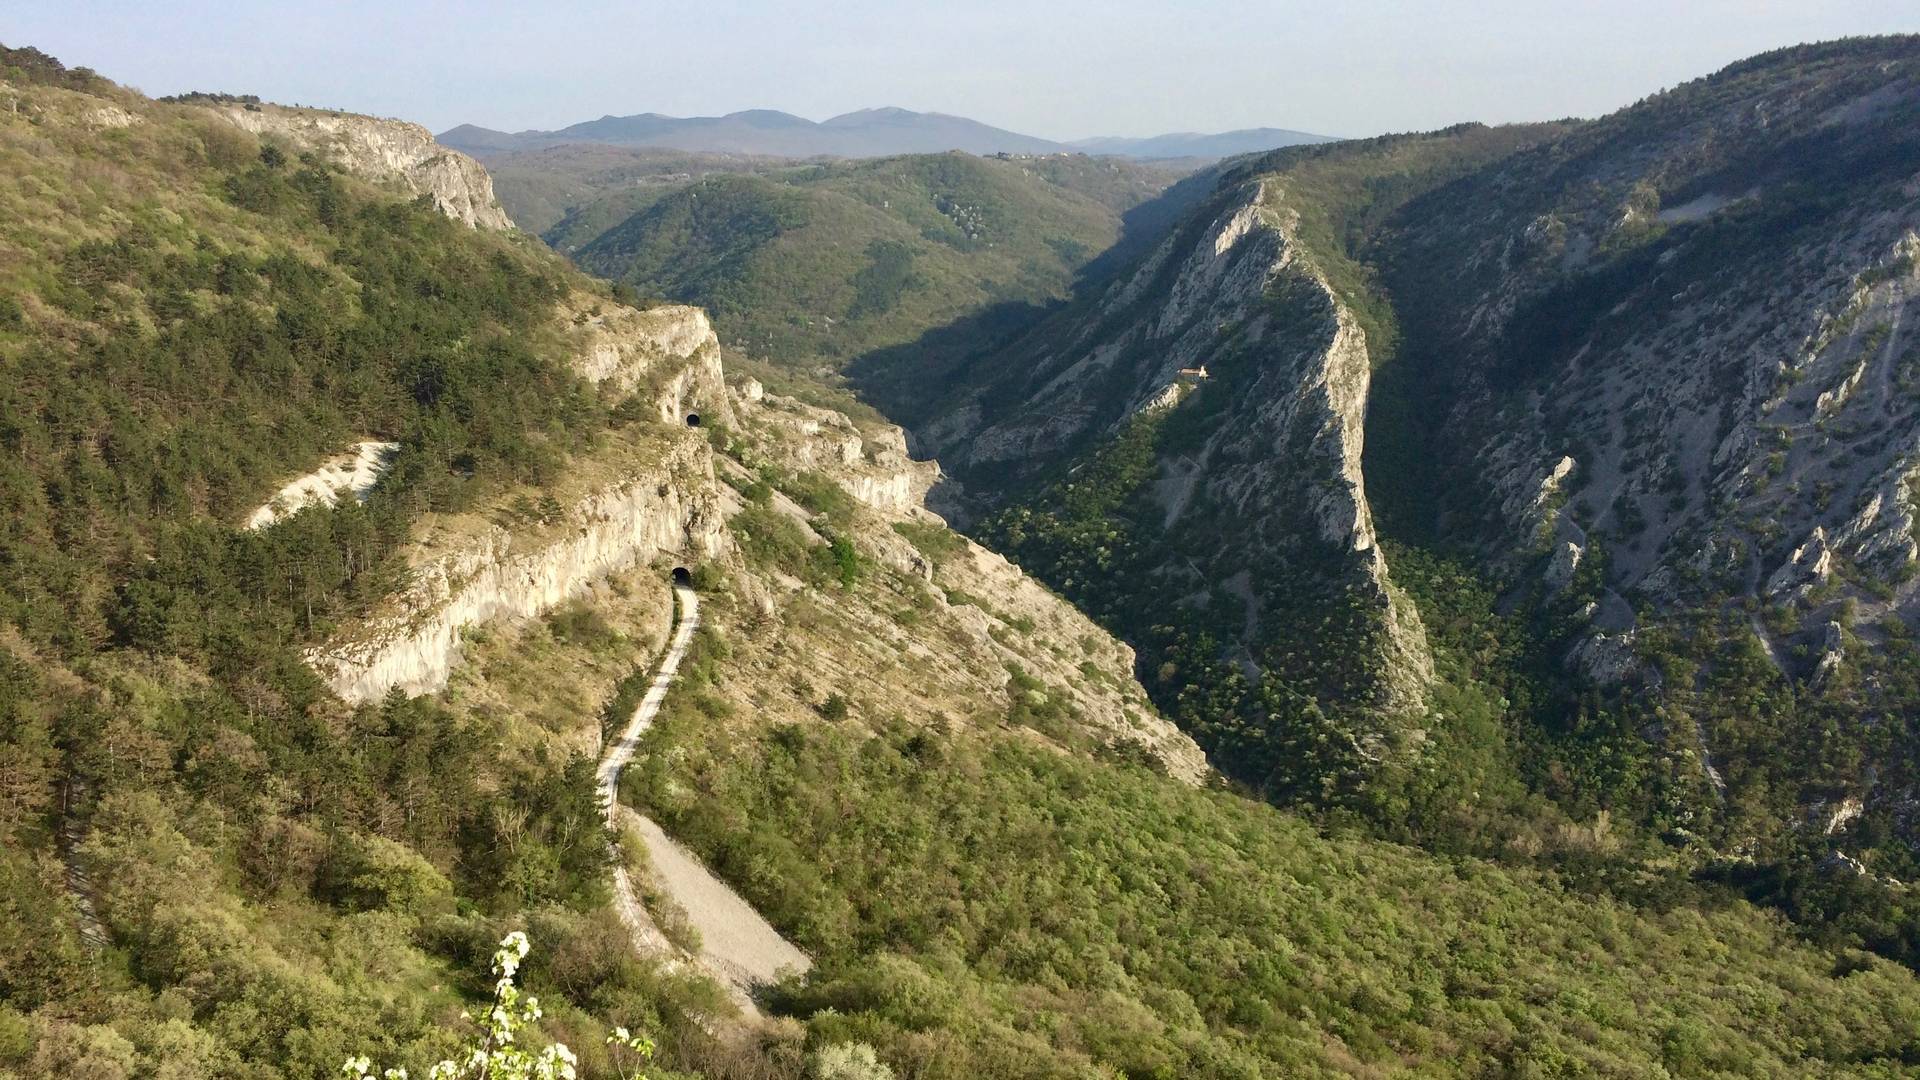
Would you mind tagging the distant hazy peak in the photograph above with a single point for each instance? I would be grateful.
(875, 132)
(1192, 144)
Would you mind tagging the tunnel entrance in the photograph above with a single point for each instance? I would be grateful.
(682, 576)
(693, 419)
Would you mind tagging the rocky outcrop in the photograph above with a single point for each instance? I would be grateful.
(871, 464)
(955, 648)
(1126, 356)
(384, 151)
(1238, 296)
(471, 571)
(1806, 569)
(1607, 659)
(1742, 404)
(491, 573)
(669, 354)
(351, 474)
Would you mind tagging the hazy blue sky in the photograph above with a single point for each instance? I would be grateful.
(1061, 70)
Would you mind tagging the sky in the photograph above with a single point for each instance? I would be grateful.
(1060, 70)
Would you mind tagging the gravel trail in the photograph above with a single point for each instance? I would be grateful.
(737, 947)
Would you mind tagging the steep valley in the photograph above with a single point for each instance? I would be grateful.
(1562, 469)
(1250, 729)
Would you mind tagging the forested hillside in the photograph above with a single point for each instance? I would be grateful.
(594, 188)
(817, 264)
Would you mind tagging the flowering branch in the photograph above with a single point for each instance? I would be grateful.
(498, 1057)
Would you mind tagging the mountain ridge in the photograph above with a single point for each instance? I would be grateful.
(873, 132)
(1641, 416)
(1196, 144)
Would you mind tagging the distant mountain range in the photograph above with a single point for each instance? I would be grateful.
(1193, 144)
(866, 133)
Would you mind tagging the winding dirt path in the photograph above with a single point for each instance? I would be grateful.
(737, 947)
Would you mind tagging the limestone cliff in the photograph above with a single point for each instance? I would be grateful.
(662, 491)
(1229, 331)
(871, 464)
(634, 501)
(1654, 338)
(668, 354)
(469, 571)
(350, 474)
(384, 151)
(976, 634)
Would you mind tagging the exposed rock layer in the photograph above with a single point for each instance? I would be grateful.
(1236, 295)
(669, 507)
(382, 151)
(351, 474)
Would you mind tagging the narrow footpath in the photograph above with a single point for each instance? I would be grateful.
(738, 948)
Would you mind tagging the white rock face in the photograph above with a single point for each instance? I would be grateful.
(353, 473)
(1165, 399)
(1833, 653)
(1607, 659)
(1283, 461)
(872, 466)
(619, 346)
(497, 575)
(1778, 409)
(671, 503)
(1533, 503)
(382, 151)
(1285, 456)
(1564, 564)
(670, 353)
(1849, 808)
(1883, 532)
(1806, 569)
(108, 117)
